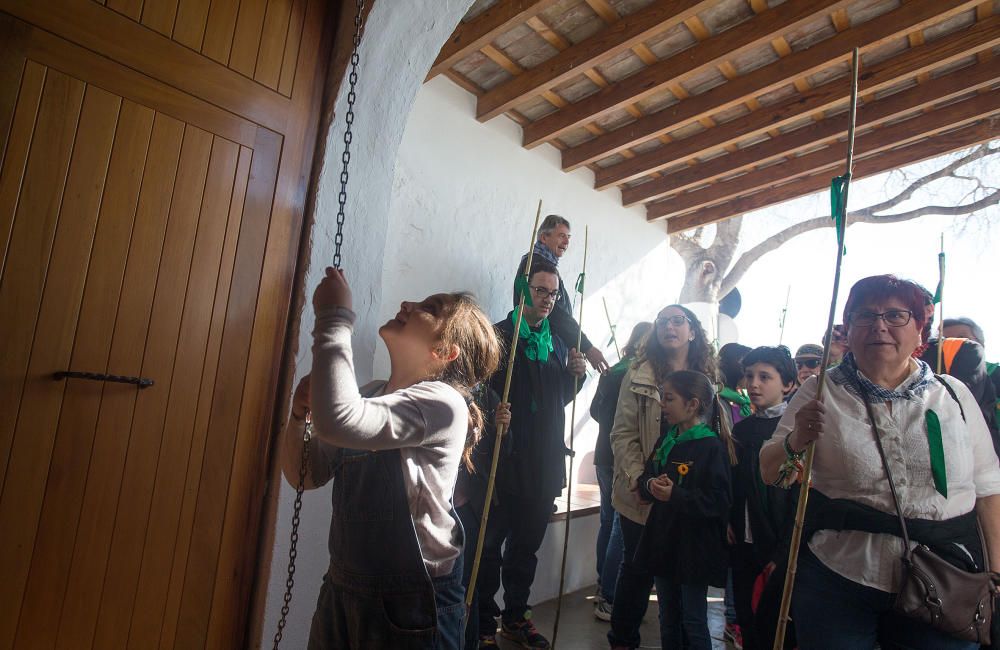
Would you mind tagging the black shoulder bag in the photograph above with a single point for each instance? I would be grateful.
(956, 602)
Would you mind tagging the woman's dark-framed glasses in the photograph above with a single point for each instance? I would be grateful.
(892, 318)
(542, 293)
(812, 364)
(676, 321)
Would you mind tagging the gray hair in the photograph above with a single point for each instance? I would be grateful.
(977, 331)
(550, 223)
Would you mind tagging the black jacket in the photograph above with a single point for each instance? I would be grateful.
(771, 509)
(535, 465)
(561, 319)
(470, 486)
(969, 365)
(684, 539)
(603, 409)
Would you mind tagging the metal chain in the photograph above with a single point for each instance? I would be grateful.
(345, 158)
(338, 243)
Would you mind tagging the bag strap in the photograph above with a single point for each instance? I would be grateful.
(885, 465)
(954, 396)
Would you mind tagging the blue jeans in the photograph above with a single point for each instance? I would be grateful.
(632, 591)
(831, 611)
(449, 600)
(685, 624)
(470, 522)
(609, 537)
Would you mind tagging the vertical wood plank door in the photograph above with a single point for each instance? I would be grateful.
(153, 161)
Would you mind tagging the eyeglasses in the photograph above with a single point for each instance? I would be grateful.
(676, 321)
(892, 318)
(542, 293)
(812, 364)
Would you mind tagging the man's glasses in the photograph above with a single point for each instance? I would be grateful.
(892, 318)
(676, 321)
(812, 364)
(542, 293)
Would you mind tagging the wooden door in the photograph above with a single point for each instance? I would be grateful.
(154, 161)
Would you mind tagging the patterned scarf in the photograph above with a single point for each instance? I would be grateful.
(848, 375)
(543, 251)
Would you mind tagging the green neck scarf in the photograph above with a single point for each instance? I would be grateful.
(620, 367)
(697, 432)
(736, 397)
(537, 345)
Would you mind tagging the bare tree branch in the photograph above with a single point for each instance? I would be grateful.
(865, 215)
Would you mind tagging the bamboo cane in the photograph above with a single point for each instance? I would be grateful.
(569, 475)
(501, 430)
(800, 512)
(612, 328)
(784, 315)
(940, 297)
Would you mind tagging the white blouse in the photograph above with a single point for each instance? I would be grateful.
(847, 466)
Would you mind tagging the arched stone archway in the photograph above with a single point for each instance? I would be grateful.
(401, 41)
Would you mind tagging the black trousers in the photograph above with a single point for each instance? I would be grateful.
(517, 526)
(745, 572)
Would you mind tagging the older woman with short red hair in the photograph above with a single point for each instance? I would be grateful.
(940, 456)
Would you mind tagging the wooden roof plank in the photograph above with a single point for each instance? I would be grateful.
(475, 34)
(588, 53)
(732, 42)
(914, 61)
(981, 131)
(903, 132)
(906, 18)
(874, 113)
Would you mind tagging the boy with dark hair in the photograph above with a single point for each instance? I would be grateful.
(762, 515)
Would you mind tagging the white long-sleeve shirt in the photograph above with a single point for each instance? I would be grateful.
(847, 466)
(427, 422)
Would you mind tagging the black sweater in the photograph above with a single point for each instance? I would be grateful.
(603, 409)
(684, 539)
(535, 465)
(771, 509)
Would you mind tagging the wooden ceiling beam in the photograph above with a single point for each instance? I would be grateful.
(479, 32)
(935, 91)
(912, 62)
(916, 127)
(588, 53)
(908, 17)
(758, 30)
(981, 131)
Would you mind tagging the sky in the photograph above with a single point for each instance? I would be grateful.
(803, 267)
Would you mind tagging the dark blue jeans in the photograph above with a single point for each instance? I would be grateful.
(685, 624)
(609, 537)
(449, 600)
(632, 591)
(833, 612)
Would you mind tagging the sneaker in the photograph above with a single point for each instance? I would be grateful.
(487, 642)
(524, 633)
(602, 610)
(733, 635)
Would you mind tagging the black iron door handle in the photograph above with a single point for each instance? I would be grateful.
(141, 382)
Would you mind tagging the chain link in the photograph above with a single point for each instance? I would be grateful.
(345, 158)
(338, 241)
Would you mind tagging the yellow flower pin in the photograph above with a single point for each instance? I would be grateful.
(683, 469)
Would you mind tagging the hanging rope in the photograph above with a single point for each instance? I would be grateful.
(841, 185)
(338, 242)
(572, 424)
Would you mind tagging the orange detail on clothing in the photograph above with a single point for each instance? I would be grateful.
(949, 349)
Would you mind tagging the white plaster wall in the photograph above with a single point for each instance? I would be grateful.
(463, 206)
(401, 41)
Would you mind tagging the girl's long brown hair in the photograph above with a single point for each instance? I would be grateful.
(700, 356)
(468, 328)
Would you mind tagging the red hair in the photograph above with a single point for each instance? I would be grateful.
(878, 288)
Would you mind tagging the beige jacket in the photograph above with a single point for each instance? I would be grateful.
(636, 429)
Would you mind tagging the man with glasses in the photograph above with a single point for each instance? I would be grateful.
(807, 361)
(532, 469)
(553, 242)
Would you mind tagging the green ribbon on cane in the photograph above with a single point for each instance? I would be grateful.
(838, 206)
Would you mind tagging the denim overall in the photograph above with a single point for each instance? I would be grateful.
(377, 592)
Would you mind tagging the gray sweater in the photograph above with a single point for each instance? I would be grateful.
(427, 422)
